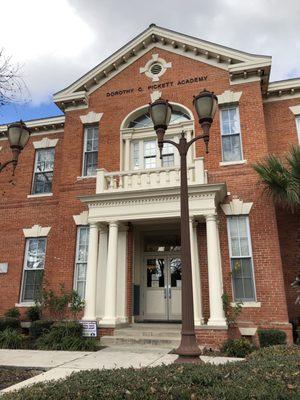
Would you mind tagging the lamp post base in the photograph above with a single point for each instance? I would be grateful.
(188, 350)
(188, 360)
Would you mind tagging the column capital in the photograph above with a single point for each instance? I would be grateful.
(193, 221)
(93, 225)
(114, 224)
(211, 217)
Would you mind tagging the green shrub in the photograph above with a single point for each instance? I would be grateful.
(264, 376)
(11, 339)
(33, 313)
(9, 322)
(72, 343)
(237, 347)
(39, 327)
(13, 313)
(271, 337)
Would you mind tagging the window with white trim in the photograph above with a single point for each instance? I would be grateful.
(298, 126)
(90, 150)
(231, 134)
(34, 264)
(81, 258)
(241, 258)
(145, 155)
(43, 171)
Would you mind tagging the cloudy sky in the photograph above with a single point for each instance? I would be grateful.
(57, 41)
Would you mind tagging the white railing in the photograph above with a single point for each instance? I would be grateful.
(148, 178)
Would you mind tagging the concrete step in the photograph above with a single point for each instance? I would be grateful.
(159, 341)
(130, 332)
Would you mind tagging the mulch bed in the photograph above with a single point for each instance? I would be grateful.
(12, 375)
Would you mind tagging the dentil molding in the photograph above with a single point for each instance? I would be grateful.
(229, 97)
(91, 118)
(81, 219)
(236, 207)
(36, 231)
(45, 143)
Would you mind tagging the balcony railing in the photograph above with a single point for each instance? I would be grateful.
(148, 178)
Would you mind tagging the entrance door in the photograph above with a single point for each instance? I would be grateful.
(162, 287)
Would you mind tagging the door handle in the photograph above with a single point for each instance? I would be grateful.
(170, 292)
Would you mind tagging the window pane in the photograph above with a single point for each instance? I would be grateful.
(242, 279)
(81, 260)
(135, 155)
(35, 257)
(44, 160)
(155, 272)
(31, 284)
(168, 160)
(231, 146)
(90, 159)
(175, 269)
(43, 182)
(91, 162)
(150, 148)
(43, 174)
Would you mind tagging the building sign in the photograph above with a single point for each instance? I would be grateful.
(157, 86)
(89, 328)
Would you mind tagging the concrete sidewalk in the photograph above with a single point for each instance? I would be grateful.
(62, 363)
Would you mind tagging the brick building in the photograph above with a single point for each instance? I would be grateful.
(93, 207)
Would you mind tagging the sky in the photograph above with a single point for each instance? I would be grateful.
(57, 41)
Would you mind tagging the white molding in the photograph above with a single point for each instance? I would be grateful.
(81, 219)
(248, 304)
(91, 118)
(295, 109)
(147, 68)
(36, 231)
(83, 177)
(155, 95)
(228, 163)
(32, 196)
(236, 207)
(25, 304)
(247, 331)
(45, 143)
(229, 97)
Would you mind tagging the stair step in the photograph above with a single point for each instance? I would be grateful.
(140, 333)
(160, 341)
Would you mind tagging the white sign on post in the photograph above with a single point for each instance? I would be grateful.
(89, 328)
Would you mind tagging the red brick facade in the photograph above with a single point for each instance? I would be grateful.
(265, 127)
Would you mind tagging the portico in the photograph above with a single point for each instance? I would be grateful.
(148, 211)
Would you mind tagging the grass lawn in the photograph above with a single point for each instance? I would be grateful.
(11, 375)
(271, 373)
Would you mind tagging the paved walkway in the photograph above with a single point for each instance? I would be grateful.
(60, 364)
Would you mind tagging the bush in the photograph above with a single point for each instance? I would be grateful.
(9, 322)
(13, 313)
(39, 327)
(11, 339)
(271, 337)
(33, 313)
(237, 347)
(66, 336)
(262, 377)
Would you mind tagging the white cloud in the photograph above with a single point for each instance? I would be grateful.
(60, 40)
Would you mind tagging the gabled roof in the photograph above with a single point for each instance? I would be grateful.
(239, 64)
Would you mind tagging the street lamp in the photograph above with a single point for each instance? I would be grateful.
(160, 111)
(18, 135)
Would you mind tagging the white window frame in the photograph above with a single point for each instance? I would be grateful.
(75, 280)
(254, 299)
(228, 107)
(22, 301)
(86, 127)
(35, 172)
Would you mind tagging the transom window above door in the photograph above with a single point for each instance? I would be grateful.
(144, 120)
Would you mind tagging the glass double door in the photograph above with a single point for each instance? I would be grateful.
(162, 287)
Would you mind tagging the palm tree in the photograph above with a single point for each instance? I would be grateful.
(282, 178)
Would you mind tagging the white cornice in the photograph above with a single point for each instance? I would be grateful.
(36, 231)
(283, 90)
(81, 219)
(43, 123)
(210, 53)
(236, 207)
(45, 143)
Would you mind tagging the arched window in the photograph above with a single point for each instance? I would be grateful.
(144, 120)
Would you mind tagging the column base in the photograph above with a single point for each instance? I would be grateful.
(108, 322)
(89, 318)
(217, 323)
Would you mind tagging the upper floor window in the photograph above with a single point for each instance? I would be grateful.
(81, 260)
(145, 155)
(34, 263)
(144, 120)
(241, 258)
(231, 134)
(43, 171)
(90, 150)
(298, 126)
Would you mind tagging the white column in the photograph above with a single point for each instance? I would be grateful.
(91, 274)
(111, 276)
(127, 155)
(217, 317)
(198, 319)
(101, 272)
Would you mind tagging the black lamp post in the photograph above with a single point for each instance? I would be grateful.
(18, 135)
(160, 111)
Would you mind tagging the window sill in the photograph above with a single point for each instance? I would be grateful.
(25, 304)
(248, 304)
(225, 163)
(80, 178)
(32, 196)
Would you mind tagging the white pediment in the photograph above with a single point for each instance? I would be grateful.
(229, 97)
(81, 219)
(295, 109)
(45, 143)
(236, 207)
(36, 231)
(91, 118)
(237, 63)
